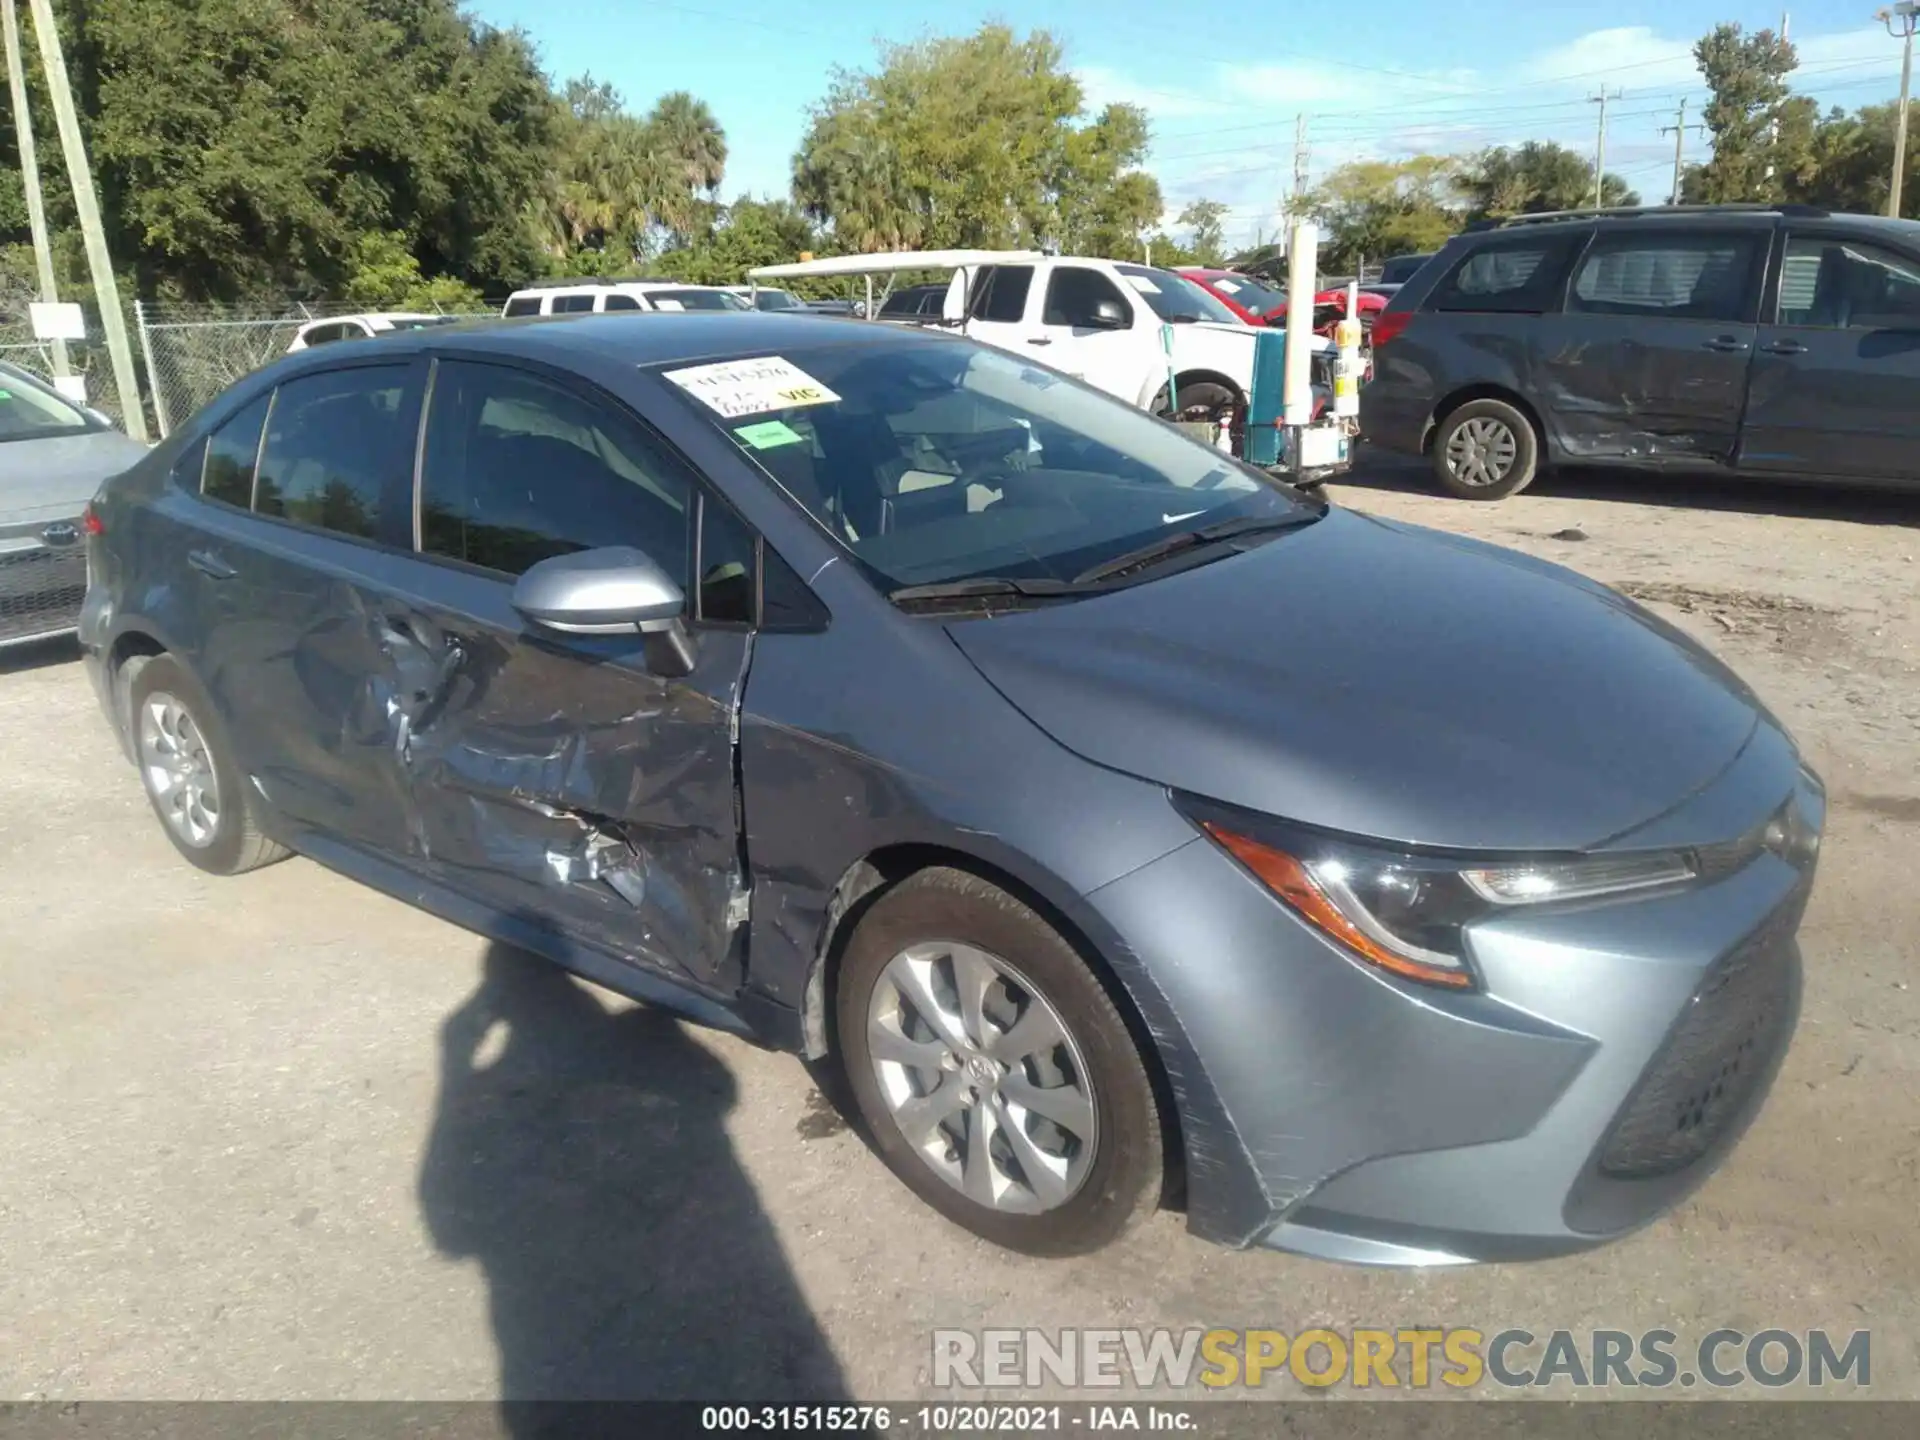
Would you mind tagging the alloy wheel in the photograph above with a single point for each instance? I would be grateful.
(1481, 451)
(178, 771)
(983, 1077)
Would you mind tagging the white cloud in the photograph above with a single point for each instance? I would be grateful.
(1103, 86)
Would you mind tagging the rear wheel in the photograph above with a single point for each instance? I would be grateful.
(992, 1069)
(192, 781)
(1205, 402)
(1485, 450)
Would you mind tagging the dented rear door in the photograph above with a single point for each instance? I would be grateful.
(558, 777)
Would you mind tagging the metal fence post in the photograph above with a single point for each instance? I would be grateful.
(153, 373)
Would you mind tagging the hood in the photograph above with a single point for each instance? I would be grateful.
(1383, 680)
(54, 478)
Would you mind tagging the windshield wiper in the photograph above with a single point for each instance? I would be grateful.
(985, 587)
(1181, 541)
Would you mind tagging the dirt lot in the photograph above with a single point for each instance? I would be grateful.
(282, 1137)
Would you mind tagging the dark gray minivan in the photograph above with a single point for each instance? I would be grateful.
(1731, 340)
(898, 700)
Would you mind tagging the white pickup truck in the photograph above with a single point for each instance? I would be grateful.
(1101, 321)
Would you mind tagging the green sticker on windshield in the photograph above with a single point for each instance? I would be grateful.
(6, 394)
(768, 434)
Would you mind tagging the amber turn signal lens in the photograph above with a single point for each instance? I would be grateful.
(1288, 879)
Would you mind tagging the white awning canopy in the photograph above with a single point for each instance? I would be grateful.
(891, 263)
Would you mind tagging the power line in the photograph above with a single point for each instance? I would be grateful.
(1679, 130)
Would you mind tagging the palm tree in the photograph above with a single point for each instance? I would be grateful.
(686, 131)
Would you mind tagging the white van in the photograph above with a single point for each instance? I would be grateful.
(587, 297)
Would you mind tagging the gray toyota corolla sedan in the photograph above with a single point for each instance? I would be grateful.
(1129, 828)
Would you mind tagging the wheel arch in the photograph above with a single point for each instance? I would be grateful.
(879, 871)
(1484, 390)
(133, 643)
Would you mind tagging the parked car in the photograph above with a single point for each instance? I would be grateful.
(915, 304)
(1247, 296)
(767, 298)
(891, 698)
(1402, 268)
(53, 456)
(362, 327)
(1721, 340)
(837, 307)
(579, 297)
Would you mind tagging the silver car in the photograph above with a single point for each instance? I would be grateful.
(53, 456)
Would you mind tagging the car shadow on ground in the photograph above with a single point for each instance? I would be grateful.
(581, 1158)
(38, 655)
(1385, 470)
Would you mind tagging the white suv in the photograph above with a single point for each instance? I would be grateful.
(583, 297)
(1101, 321)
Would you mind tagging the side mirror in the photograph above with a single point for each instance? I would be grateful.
(1110, 315)
(615, 590)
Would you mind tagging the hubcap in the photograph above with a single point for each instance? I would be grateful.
(178, 771)
(1481, 451)
(982, 1077)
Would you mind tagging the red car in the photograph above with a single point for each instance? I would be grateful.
(1258, 303)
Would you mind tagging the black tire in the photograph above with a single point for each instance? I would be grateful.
(1488, 438)
(233, 843)
(1213, 399)
(1122, 1181)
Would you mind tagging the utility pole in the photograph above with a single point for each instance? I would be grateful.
(1299, 163)
(1899, 22)
(1599, 148)
(1678, 130)
(30, 173)
(86, 204)
(1773, 125)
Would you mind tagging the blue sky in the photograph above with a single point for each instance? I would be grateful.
(1222, 92)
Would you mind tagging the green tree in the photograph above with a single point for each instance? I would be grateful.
(1759, 140)
(1375, 208)
(973, 140)
(746, 234)
(1533, 177)
(1206, 231)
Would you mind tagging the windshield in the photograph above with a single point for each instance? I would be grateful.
(694, 300)
(1245, 290)
(775, 300)
(934, 461)
(29, 411)
(1174, 297)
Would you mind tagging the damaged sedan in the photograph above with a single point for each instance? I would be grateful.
(1129, 828)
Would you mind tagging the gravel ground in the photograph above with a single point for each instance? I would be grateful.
(283, 1137)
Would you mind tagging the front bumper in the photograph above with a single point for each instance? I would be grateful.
(41, 587)
(1373, 1121)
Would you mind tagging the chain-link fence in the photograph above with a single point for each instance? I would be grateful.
(183, 355)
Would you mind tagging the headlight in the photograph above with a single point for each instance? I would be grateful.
(1407, 913)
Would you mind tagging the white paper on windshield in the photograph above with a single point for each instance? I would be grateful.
(1142, 284)
(751, 387)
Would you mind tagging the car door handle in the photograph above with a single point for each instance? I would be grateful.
(210, 565)
(1785, 347)
(1038, 340)
(1726, 344)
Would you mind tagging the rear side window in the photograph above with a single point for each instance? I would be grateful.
(572, 304)
(523, 305)
(518, 470)
(1666, 276)
(334, 442)
(231, 452)
(1001, 292)
(1519, 276)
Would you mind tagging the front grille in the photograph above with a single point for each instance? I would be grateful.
(41, 590)
(1719, 1053)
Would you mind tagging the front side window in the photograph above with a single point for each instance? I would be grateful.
(775, 300)
(518, 469)
(231, 452)
(1835, 283)
(1074, 294)
(936, 462)
(1174, 297)
(334, 442)
(29, 411)
(620, 301)
(692, 299)
(1664, 276)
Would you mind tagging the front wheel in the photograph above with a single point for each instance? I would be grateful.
(993, 1071)
(1485, 450)
(1204, 402)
